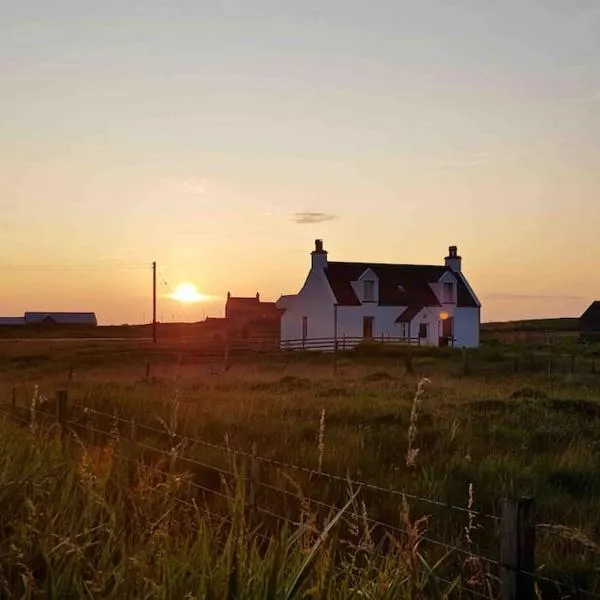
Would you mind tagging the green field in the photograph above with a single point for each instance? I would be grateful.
(188, 516)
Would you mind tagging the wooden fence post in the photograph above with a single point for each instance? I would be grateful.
(254, 477)
(517, 550)
(61, 409)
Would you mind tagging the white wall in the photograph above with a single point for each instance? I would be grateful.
(315, 301)
(350, 320)
(466, 326)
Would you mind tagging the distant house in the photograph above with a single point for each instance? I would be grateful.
(351, 301)
(589, 323)
(12, 321)
(75, 319)
(248, 316)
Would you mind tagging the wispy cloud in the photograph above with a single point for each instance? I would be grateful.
(592, 98)
(468, 160)
(532, 297)
(196, 186)
(307, 218)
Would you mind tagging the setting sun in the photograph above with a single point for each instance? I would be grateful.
(187, 292)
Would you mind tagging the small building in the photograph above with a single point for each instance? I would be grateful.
(61, 319)
(248, 316)
(354, 301)
(12, 321)
(589, 323)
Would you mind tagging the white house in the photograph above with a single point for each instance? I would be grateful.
(348, 301)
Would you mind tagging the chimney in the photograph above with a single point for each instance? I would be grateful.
(319, 256)
(453, 260)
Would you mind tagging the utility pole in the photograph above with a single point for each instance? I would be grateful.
(154, 302)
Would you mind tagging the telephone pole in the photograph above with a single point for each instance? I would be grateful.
(154, 302)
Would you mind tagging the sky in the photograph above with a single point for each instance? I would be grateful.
(220, 138)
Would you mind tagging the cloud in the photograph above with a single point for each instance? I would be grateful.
(307, 218)
(593, 98)
(197, 186)
(468, 160)
(532, 297)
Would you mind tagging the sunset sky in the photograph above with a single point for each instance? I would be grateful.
(195, 132)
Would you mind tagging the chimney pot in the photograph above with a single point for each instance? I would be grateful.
(318, 245)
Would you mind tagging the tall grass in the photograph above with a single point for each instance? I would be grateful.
(500, 432)
(80, 522)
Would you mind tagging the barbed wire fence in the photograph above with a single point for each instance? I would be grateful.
(280, 493)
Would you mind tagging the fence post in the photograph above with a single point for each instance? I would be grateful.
(254, 477)
(61, 409)
(70, 372)
(147, 370)
(517, 549)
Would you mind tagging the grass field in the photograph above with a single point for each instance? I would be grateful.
(81, 519)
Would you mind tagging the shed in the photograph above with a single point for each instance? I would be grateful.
(589, 322)
(61, 318)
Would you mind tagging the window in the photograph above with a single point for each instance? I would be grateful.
(304, 327)
(448, 293)
(369, 294)
(368, 327)
(423, 330)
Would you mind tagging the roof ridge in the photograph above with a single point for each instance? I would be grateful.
(380, 264)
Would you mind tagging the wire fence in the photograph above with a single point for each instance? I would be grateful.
(280, 493)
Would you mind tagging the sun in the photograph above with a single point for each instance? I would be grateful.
(187, 292)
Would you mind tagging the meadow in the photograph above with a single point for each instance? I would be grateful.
(172, 477)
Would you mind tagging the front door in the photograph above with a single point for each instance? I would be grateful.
(448, 327)
(368, 327)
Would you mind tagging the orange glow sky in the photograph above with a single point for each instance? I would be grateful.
(192, 134)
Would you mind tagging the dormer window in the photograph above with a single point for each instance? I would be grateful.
(448, 293)
(369, 291)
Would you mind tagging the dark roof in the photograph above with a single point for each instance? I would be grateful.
(592, 311)
(62, 318)
(8, 321)
(413, 279)
(243, 301)
(409, 314)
